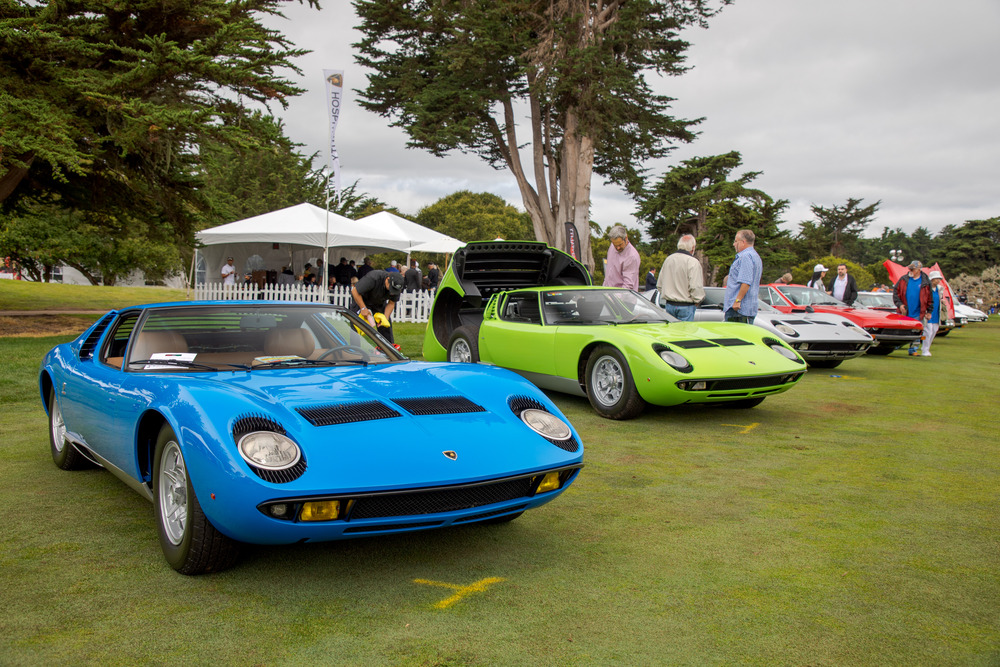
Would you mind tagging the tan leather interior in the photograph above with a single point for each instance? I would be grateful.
(151, 342)
(289, 341)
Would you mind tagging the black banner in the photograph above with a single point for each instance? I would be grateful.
(572, 241)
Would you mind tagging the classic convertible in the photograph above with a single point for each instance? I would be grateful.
(530, 308)
(276, 423)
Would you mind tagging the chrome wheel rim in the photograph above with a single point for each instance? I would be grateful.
(173, 493)
(608, 381)
(461, 352)
(58, 427)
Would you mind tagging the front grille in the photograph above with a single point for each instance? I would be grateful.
(835, 347)
(440, 500)
(736, 384)
(439, 405)
(748, 383)
(345, 413)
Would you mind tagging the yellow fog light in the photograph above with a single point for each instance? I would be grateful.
(549, 483)
(320, 510)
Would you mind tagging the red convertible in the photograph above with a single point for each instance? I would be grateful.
(890, 330)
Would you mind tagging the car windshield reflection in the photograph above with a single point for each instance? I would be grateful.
(251, 337)
(605, 306)
(807, 296)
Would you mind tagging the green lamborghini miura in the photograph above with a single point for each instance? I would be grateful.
(530, 308)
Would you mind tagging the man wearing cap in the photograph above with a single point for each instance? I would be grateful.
(377, 292)
(912, 296)
(938, 312)
(844, 287)
(228, 272)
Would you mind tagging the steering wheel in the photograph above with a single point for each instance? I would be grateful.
(354, 348)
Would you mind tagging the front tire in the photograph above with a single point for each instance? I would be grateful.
(190, 543)
(610, 387)
(881, 350)
(463, 347)
(64, 454)
(825, 363)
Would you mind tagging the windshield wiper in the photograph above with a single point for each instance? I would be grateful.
(310, 362)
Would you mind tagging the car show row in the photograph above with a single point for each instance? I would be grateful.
(252, 421)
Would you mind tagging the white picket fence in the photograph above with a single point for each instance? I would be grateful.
(411, 306)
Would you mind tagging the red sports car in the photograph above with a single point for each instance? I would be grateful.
(890, 330)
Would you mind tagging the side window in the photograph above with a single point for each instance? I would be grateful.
(765, 295)
(114, 347)
(522, 308)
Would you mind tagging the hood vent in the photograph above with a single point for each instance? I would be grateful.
(730, 342)
(345, 413)
(439, 405)
(691, 344)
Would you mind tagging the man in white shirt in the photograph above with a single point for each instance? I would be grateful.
(681, 283)
(843, 287)
(228, 272)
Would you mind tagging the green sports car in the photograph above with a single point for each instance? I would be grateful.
(531, 308)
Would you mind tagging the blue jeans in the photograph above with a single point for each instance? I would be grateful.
(683, 313)
(733, 315)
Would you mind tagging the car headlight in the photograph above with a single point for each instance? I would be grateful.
(675, 360)
(266, 449)
(855, 328)
(785, 329)
(546, 424)
(785, 352)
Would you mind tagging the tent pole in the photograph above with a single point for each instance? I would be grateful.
(326, 240)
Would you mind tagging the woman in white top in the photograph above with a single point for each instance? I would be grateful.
(819, 271)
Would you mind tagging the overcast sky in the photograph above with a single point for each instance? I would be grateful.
(891, 100)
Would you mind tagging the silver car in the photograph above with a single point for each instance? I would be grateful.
(824, 340)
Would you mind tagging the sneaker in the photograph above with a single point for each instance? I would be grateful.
(914, 353)
(925, 354)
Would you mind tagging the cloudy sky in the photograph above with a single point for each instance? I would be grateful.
(891, 100)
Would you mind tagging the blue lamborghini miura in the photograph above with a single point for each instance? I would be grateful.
(274, 423)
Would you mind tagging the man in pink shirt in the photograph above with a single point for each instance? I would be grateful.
(622, 267)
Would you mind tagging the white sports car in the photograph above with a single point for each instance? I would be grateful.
(824, 340)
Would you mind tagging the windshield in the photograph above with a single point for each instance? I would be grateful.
(212, 337)
(714, 298)
(875, 300)
(807, 296)
(599, 306)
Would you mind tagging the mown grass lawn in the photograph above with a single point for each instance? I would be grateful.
(852, 520)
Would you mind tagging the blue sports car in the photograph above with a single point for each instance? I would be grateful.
(275, 423)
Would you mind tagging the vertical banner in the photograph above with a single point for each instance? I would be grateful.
(334, 99)
(572, 241)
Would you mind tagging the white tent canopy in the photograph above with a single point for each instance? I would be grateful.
(422, 239)
(298, 234)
